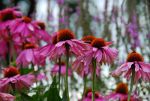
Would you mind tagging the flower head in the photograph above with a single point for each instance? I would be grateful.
(134, 56)
(13, 80)
(65, 34)
(10, 72)
(134, 61)
(65, 37)
(30, 54)
(88, 96)
(100, 51)
(122, 88)
(98, 43)
(9, 14)
(121, 93)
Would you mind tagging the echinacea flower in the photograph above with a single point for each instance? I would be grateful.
(100, 51)
(55, 69)
(30, 54)
(121, 94)
(65, 39)
(6, 97)
(88, 96)
(7, 16)
(135, 62)
(14, 81)
(66, 44)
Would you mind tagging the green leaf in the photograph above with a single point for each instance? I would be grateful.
(53, 93)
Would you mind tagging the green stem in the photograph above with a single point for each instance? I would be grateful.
(59, 61)
(67, 66)
(93, 82)
(84, 90)
(132, 83)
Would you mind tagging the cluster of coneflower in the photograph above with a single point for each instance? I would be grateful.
(20, 37)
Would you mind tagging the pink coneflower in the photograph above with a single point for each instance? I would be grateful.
(13, 80)
(30, 54)
(7, 16)
(88, 96)
(55, 69)
(121, 94)
(29, 30)
(6, 97)
(65, 38)
(135, 62)
(135, 69)
(99, 53)
(66, 44)
(23, 26)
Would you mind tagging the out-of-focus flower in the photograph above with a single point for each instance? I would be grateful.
(14, 81)
(134, 61)
(65, 39)
(7, 16)
(121, 94)
(30, 54)
(55, 69)
(6, 97)
(88, 96)
(100, 51)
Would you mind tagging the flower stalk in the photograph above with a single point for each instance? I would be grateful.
(93, 82)
(132, 82)
(59, 75)
(67, 66)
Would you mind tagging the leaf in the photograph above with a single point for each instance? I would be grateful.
(53, 93)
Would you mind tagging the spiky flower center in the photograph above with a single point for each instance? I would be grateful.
(41, 25)
(29, 46)
(65, 34)
(134, 56)
(122, 88)
(7, 16)
(88, 39)
(98, 43)
(11, 71)
(26, 19)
